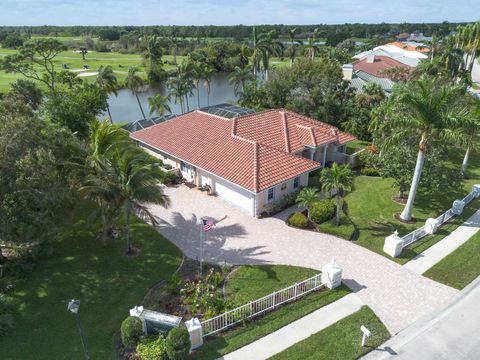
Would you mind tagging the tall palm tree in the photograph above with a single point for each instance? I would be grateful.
(185, 74)
(197, 74)
(470, 126)
(293, 46)
(244, 54)
(153, 51)
(135, 83)
(173, 44)
(338, 178)
(107, 81)
(174, 85)
(271, 48)
(306, 198)
(429, 110)
(311, 48)
(239, 77)
(160, 104)
(259, 42)
(208, 72)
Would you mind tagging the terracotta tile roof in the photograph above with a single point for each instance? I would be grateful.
(212, 143)
(287, 131)
(409, 47)
(379, 64)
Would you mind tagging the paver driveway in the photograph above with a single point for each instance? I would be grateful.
(397, 295)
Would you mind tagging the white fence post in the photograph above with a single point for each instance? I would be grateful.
(458, 206)
(332, 275)
(431, 226)
(195, 332)
(393, 245)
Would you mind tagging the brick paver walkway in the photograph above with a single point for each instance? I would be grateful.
(396, 294)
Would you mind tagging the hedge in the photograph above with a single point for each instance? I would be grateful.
(322, 210)
(131, 331)
(298, 220)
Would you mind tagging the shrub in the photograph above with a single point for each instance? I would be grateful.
(285, 202)
(131, 331)
(6, 318)
(322, 211)
(178, 344)
(298, 220)
(369, 171)
(152, 348)
(169, 178)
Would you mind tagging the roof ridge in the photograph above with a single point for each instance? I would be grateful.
(314, 122)
(283, 118)
(256, 167)
(214, 115)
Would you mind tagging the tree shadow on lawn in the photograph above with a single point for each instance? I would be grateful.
(189, 236)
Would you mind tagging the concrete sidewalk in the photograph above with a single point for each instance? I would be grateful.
(452, 333)
(298, 330)
(450, 243)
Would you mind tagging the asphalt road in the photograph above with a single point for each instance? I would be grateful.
(453, 333)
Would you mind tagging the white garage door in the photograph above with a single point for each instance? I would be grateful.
(227, 192)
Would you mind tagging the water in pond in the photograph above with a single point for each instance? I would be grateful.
(124, 107)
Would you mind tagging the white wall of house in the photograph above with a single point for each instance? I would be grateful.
(279, 191)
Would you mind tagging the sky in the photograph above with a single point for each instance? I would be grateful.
(225, 12)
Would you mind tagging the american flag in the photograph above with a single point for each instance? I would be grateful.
(208, 224)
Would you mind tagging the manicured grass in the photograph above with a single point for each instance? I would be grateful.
(107, 282)
(352, 146)
(341, 340)
(459, 268)
(240, 336)
(119, 62)
(346, 230)
(252, 282)
(372, 210)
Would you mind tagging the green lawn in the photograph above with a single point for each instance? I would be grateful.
(119, 62)
(252, 282)
(106, 281)
(341, 340)
(459, 268)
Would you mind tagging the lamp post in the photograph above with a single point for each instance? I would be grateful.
(74, 307)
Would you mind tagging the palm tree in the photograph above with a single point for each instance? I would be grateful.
(128, 182)
(239, 77)
(306, 198)
(173, 44)
(174, 85)
(107, 81)
(271, 47)
(208, 72)
(470, 126)
(197, 74)
(294, 44)
(135, 83)
(153, 51)
(244, 54)
(159, 104)
(429, 110)
(134, 177)
(312, 47)
(104, 140)
(259, 45)
(185, 74)
(338, 178)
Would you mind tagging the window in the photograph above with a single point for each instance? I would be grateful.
(296, 182)
(341, 148)
(271, 194)
(284, 186)
(184, 167)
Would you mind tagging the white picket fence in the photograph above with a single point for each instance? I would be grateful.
(419, 233)
(261, 306)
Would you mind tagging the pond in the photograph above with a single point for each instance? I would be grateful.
(124, 107)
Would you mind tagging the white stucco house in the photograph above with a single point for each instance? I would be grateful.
(250, 160)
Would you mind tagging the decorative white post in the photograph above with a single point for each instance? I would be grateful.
(432, 225)
(476, 190)
(332, 275)
(195, 331)
(393, 245)
(458, 206)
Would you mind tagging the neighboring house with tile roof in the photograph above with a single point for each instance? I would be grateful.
(401, 53)
(250, 161)
(359, 79)
(376, 65)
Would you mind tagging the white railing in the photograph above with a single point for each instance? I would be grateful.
(261, 306)
(419, 233)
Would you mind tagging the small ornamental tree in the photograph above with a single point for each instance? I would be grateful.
(178, 344)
